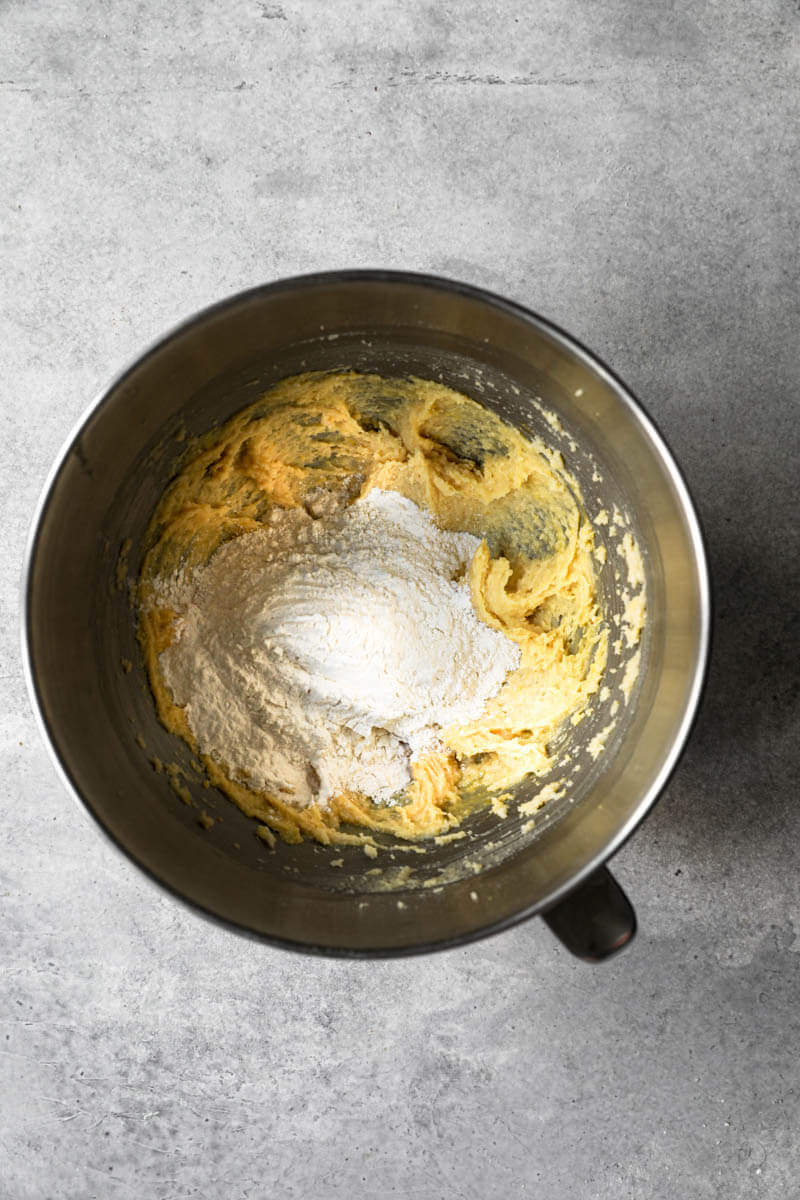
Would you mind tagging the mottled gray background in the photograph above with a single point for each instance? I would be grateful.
(628, 169)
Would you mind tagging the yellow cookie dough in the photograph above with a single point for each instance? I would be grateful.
(318, 435)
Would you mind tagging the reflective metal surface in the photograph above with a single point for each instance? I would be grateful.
(80, 627)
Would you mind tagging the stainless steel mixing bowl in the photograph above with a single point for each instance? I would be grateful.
(88, 684)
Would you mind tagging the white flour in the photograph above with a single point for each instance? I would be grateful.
(315, 656)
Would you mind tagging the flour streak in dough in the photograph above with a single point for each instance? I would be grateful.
(315, 657)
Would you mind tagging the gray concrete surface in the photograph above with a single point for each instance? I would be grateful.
(628, 169)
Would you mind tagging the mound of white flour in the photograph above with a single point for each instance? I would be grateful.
(317, 656)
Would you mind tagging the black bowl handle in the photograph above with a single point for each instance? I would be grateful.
(594, 921)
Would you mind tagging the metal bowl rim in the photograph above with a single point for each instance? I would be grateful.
(636, 411)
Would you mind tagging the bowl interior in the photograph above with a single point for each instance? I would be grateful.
(140, 782)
